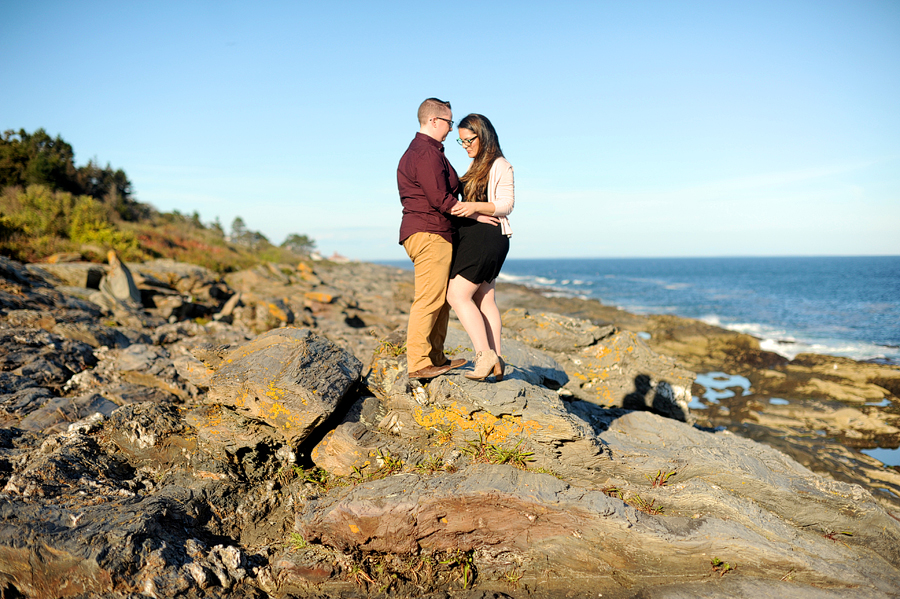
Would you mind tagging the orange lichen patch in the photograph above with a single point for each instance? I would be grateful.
(275, 393)
(354, 529)
(318, 296)
(601, 351)
(200, 370)
(241, 400)
(209, 475)
(276, 410)
(277, 312)
(280, 415)
(314, 454)
(495, 429)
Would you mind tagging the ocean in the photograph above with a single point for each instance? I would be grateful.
(842, 306)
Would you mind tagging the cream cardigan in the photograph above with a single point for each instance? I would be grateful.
(501, 192)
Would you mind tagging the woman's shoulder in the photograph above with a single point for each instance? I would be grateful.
(501, 164)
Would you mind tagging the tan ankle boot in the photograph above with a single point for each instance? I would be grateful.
(485, 362)
(499, 369)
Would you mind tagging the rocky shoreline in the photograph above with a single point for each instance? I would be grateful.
(825, 407)
(167, 432)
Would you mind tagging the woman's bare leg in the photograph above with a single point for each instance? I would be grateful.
(459, 295)
(490, 313)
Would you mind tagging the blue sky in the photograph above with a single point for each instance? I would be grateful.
(635, 128)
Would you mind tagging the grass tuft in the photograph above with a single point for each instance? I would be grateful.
(661, 478)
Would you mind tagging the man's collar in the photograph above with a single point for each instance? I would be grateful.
(430, 140)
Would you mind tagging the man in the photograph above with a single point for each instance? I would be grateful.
(428, 187)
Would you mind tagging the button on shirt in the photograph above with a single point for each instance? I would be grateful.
(428, 187)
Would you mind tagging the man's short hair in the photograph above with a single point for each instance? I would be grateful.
(431, 108)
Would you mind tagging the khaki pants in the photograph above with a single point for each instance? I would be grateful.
(431, 254)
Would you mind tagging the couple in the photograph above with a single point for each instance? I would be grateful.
(463, 276)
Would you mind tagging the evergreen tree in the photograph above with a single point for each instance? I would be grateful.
(238, 229)
(38, 159)
(299, 244)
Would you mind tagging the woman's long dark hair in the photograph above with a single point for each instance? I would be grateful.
(476, 178)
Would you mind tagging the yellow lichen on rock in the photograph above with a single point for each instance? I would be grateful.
(496, 429)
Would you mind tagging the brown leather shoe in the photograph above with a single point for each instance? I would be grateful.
(455, 363)
(429, 372)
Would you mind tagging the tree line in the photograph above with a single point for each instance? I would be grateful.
(49, 204)
(38, 159)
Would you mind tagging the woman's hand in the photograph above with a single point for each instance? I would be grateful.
(466, 209)
(491, 220)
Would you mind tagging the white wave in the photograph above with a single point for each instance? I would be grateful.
(658, 282)
(511, 278)
(781, 342)
(566, 294)
(647, 309)
(848, 349)
(544, 281)
(711, 320)
(759, 330)
(749, 328)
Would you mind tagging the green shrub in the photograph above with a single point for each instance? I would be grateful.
(37, 210)
(89, 223)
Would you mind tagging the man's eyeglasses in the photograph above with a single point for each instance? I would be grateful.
(467, 142)
(448, 121)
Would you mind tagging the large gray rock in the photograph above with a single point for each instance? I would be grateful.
(201, 284)
(609, 368)
(74, 274)
(622, 371)
(137, 373)
(58, 412)
(289, 378)
(47, 359)
(553, 332)
(118, 284)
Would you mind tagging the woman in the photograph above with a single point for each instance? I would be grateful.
(482, 248)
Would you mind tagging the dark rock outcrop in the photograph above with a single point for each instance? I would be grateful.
(288, 378)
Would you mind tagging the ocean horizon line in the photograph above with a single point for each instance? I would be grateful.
(728, 257)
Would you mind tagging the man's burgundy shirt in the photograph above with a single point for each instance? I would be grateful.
(428, 188)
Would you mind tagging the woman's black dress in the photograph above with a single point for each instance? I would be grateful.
(480, 252)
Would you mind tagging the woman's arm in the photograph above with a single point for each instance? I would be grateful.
(504, 194)
(471, 209)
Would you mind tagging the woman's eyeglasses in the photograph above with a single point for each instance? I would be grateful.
(467, 142)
